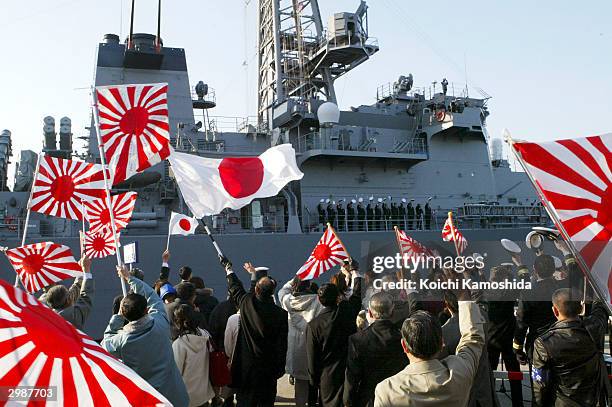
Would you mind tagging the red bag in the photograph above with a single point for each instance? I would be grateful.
(218, 369)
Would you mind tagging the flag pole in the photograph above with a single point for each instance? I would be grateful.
(553, 215)
(107, 186)
(29, 206)
(168, 241)
(212, 239)
(338, 237)
(452, 227)
(399, 244)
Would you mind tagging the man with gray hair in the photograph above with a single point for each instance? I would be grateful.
(62, 302)
(374, 353)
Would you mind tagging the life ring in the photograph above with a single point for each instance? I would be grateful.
(440, 115)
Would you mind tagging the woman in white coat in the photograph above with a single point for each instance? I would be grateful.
(299, 299)
(191, 353)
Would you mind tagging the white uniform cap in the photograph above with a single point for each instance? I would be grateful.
(354, 201)
(371, 198)
(380, 200)
(404, 200)
(262, 268)
(322, 200)
(333, 202)
(327, 200)
(360, 199)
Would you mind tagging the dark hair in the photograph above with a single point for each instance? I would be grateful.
(450, 301)
(133, 307)
(158, 284)
(185, 321)
(117, 304)
(185, 273)
(422, 335)
(328, 294)
(138, 273)
(544, 266)
(500, 273)
(313, 287)
(339, 281)
(185, 291)
(300, 286)
(57, 297)
(198, 282)
(265, 288)
(568, 302)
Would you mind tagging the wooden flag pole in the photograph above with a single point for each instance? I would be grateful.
(553, 215)
(452, 226)
(339, 240)
(107, 186)
(29, 206)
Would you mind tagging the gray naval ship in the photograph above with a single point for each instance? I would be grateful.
(363, 167)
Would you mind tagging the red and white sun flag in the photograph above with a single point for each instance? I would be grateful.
(100, 244)
(410, 247)
(98, 216)
(41, 264)
(210, 185)
(182, 225)
(574, 180)
(329, 252)
(451, 234)
(39, 348)
(61, 185)
(133, 127)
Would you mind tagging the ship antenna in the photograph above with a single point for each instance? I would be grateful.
(158, 40)
(130, 44)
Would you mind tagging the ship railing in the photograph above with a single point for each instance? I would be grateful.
(236, 124)
(342, 140)
(209, 97)
(455, 90)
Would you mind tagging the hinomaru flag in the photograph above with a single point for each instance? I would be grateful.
(182, 225)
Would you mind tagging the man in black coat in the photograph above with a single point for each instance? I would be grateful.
(428, 214)
(568, 367)
(402, 215)
(341, 215)
(370, 215)
(350, 215)
(261, 346)
(327, 340)
(361, 215)
(411, 214)
(374, 354)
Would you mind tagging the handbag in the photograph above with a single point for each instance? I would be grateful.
(219, 371)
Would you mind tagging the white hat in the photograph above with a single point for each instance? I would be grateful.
(533, 240)
(510, 246)
(333, 202)
(507, 264)
(429, 199)
(327, 200)
(322, 200)
(389, 198)
(354, 201)
(360, 199)
(262, 268)
(340, 200)
(380, 200)
(404, 200)
(371, 198)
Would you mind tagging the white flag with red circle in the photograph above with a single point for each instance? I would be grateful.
(451, 234)
(410, 247)
(210, 185)
(133, 127)
(182, 225)
(328, 252)
(41, 264)
(61, 185)
(38, 348)
(574, 180)
(100, 244)
(98, 215)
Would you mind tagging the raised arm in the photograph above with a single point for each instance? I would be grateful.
(84, 302)
(235, 289)
(285, 291)
(471, 326)
(155, 304)
(164, 274)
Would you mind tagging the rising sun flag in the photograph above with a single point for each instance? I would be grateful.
(328, 252)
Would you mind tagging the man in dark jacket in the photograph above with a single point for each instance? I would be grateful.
(261, 346)
(186, 294)
(568, 367)
(327, 340)
(534, 313)
(373, 354)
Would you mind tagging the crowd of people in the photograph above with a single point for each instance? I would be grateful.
(345, 343)
(377, 214)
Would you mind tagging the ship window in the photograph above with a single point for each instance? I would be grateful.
(512, 200)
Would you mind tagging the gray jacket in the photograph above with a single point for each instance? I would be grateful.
(78, 312)
(144, 345)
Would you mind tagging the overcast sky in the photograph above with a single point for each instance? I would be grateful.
(547, 65)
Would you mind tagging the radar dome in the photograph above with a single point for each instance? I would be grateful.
(328, 112)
